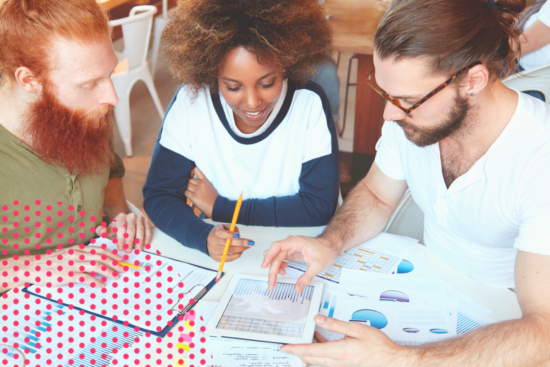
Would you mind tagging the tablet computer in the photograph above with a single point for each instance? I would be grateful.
(248, 310)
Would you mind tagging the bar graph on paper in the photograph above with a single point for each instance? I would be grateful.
(329, 304)
(33, 336)
(101, 350)
(356, 258)
(254, 308)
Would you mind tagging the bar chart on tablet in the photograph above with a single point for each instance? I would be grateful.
(254, 308)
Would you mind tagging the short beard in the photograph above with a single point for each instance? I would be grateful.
(70, 138)
(452, 124)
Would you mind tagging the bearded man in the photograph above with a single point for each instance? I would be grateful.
(475, 156)
(60, 181)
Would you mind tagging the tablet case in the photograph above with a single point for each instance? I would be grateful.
(167, 328)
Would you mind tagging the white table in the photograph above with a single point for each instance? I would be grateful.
(501, 300)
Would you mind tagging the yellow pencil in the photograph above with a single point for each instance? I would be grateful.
(228, 242)
(130, 265)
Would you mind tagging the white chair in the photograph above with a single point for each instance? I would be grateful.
(160, 23)
(132, 66)
(407, 219)
(537, 79)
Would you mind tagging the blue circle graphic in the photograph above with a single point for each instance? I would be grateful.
(404, 267)
(376, 319)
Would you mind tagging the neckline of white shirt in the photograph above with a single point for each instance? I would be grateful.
(477, 170)
(231, 118)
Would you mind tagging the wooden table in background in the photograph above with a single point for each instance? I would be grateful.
(354, 24)
(110, 4)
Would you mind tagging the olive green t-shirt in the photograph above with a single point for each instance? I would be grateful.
(43, 205)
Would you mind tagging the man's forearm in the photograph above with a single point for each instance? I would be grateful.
(362, 217)
(522, 342)
(114, 202)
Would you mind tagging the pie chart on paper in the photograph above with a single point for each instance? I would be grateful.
(374, 318)
(404, 267)
(394, 296)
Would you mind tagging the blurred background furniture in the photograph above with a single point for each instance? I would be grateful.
(132, 66)
(536, 79)
(348, 84)
(354, 24)
(111, 4)
(160, 23)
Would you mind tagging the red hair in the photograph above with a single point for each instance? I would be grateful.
(28, 27)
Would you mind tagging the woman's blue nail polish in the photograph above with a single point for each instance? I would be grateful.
(236, 235)
(251, 243)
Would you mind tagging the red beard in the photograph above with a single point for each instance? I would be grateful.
(73, 139)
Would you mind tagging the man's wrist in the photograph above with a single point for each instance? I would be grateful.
(333, 241)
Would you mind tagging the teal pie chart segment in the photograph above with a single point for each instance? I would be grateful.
(394, 296)
(375, 318)
(404, 267)
(438, 331)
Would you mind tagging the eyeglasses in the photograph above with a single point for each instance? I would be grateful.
(396, 103)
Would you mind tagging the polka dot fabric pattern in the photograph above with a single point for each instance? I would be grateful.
(53, 332)
(28, 229)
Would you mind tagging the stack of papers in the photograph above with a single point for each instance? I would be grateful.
(410, 311)
(467, 313)
(380, 284)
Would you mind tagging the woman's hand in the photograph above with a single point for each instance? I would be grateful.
(216, 243)
(201, 192)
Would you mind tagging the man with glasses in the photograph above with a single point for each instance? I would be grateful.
(475, 156)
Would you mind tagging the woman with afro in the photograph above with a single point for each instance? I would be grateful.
(245, 119)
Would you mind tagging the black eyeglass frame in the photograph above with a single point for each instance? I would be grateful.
(396, 103)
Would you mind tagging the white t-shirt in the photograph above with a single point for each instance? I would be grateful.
(501, 205)
(542, 55)
(266, 165)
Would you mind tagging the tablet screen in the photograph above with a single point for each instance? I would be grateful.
(253, 308)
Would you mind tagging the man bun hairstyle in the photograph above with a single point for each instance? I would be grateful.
(291, 33)
(453, 33)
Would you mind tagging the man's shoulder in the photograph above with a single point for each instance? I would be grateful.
(532, 129)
